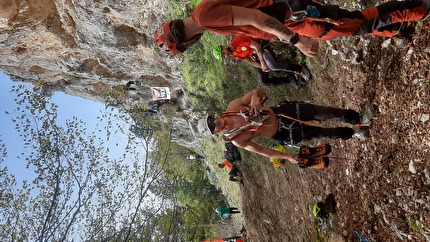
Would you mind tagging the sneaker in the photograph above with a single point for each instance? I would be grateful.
(306, 74)
(366, 117)
(405, 34)
(362, 4)
(362, 133)
(299, 80)
(402, 43)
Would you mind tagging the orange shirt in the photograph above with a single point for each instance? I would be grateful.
(217, 16)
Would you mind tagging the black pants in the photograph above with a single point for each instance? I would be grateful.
(234, 210)
(295, 132)
(287, 68)
(234, 173)
(276, 65)
(267, 80)
(383, 21)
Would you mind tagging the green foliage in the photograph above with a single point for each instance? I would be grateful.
(79, 192)
(193, 192)
(417, 227)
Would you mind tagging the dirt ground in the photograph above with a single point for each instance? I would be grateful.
(381, 185)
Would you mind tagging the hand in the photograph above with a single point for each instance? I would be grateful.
(307, 46)
(293, 159)
(255, 105)
(264, 67)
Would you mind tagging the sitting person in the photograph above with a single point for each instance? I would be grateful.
(231, 156)
(234, 172)
(249, 50)
(287, 123)
(232, 153)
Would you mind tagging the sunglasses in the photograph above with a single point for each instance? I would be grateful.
(211, 123)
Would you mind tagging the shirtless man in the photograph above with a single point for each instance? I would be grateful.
(287, 123)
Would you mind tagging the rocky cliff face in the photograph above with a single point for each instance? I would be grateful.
(77, 45)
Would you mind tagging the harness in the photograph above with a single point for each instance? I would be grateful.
(251, 125)
(290, 127)
(310, 13)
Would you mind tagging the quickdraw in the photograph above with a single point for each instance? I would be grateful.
(311, 13)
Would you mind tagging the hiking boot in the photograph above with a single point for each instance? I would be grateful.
(362, 133)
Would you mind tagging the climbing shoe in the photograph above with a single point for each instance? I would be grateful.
(312, 152)
(314, 163)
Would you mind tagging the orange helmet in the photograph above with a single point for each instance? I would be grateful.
(166, 40)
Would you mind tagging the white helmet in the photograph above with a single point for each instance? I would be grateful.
(203, 126)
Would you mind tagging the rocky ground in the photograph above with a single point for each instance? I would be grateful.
(380, 187)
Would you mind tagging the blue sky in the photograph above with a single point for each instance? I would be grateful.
(68, 107)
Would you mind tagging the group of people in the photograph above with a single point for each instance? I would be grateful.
(299, 23)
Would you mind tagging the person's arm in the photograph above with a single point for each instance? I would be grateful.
(264, 151)
(257, 47)
(252, 99)
(246, 16)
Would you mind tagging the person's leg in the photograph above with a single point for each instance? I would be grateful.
(234, 210)
(275, 65)
(267, 80)
(235, 174)
(285, 66)
(309, 111)
(390, 13)
(233, 179)
(234, 171)
(311, 132)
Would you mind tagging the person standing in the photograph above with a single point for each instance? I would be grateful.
(224, 212)
(299, 23)
(286, 123)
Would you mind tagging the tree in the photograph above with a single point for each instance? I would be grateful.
(78, 193)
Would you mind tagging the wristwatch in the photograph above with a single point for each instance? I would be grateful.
(295, 39)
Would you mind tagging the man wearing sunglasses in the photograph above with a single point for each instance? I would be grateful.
(287, 123)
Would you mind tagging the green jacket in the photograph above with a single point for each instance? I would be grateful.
(223, 212)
